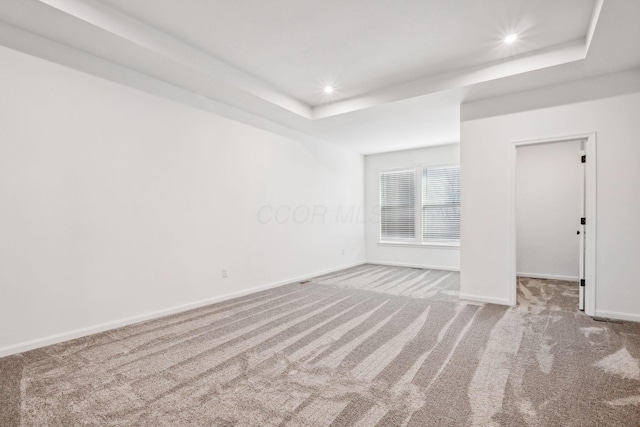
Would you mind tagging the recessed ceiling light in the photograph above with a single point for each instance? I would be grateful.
(511, 38)
(328, 89)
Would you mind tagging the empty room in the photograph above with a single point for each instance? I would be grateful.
(303, 213)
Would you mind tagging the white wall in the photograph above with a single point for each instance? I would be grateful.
(418, 256)
(115, 204)
(485, 157)
(548, 185)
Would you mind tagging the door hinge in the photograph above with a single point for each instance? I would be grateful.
(583, 159)
(583, 220)
(582, 282)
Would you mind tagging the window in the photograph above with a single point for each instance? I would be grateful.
(420, 205)
(397, 205)
(441, 204)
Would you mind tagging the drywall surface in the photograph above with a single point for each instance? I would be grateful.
(548, 185)
(485, 159)
(414, 255)
(115, 204)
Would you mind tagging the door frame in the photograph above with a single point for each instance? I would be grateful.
(590, 214)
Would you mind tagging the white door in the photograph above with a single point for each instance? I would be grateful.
(581, 229)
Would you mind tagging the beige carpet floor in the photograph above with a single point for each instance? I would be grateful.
(368, 346)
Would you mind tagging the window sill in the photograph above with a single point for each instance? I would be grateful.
(438, 245)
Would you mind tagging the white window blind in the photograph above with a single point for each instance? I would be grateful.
(397, 205)
(441, 204)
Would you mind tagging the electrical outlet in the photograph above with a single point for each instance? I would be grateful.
(224, 273)
(343, 252)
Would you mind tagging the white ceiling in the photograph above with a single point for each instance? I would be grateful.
(401, 69)
(360, 46)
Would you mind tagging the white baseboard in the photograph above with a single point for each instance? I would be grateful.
(479, 298)
(402, 264)
(549, 276)
(631, 317)
(82, 332)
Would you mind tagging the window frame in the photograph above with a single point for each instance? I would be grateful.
(417, 241)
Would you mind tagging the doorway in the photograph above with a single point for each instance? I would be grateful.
(553, 219)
